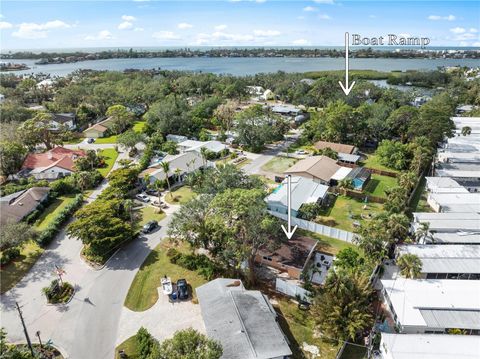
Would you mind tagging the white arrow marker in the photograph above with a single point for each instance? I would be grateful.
(346, 89)
(289, 232)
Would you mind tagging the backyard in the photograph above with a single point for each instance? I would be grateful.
(279, 164)
(326, 244)
(179, 195)
(372, 161)
(110, 156)
(52, 211)
(143, 292)
(344, 211)
(377, 185)
(13, 272)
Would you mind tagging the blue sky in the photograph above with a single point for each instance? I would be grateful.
(78, 24)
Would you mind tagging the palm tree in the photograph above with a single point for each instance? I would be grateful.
(466, 130)
(408, 180)
(410, 265)
(158, 185)
(83, 180)
(203, 152)
(345, 184)
(422, 234)
(128, 205)
(178, 172)
(166, 169)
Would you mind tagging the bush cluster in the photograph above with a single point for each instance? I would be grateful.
(8, 255)
(194, 262)
(49, 233)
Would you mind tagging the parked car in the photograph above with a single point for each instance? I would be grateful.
(91, 140)
(182, 289)
(149, 226)
(156, 203)
(142, 197)
(301, 152)
(151, 192)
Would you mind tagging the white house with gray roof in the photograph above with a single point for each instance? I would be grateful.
(243, 321)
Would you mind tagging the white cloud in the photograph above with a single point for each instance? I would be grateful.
(128, 18)
(309, 8)
(472, 29)
(300, 42)
(477, 44)
(125, 25)
(330, 2)
(31, 30)
(438, 17)
(266, 33)
(458, 30)
(165, 35)
(5, 25)
(220, 27)
(138, 29)
(184, 25)
(324, 17)
(102, 35)
(466, 37)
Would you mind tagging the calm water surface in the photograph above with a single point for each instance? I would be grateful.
(245, 66)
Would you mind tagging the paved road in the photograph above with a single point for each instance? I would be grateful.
(82, 329)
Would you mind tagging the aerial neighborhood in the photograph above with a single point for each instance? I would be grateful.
(142, 213)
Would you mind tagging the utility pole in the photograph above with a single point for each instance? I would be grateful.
(25, 329)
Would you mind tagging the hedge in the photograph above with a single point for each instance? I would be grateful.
(47, 235)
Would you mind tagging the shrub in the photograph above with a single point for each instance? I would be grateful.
(201, 263)
(58, 292)
(63, 186)
(49, 233)
(145, 342)
(9, 254)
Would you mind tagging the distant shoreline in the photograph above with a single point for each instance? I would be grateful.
(46, 58)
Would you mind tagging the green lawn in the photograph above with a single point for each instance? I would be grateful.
(279, 164)
(130, 347)
(52, 211)
(326, 244)
(378, 184)
(143, 290)
(299, 326)
(106, 140)
(138, 126)
(13, 272)
(373, 162)
(419, 200)
(180, 195)
(74, 141)
(149, 213)
(110, 156)
(346, 210)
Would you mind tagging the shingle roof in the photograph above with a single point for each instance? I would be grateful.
(58, 156)
(20, 204)
(337, 147)
(243, 321)
(318, 166)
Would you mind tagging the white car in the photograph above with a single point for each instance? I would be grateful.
(142, 197)
(301, 152)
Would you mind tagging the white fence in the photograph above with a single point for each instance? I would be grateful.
(291, 289)
(317, 228)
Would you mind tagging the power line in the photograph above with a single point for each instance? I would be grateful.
(25, 329)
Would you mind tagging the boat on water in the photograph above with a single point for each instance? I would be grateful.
(167, 285)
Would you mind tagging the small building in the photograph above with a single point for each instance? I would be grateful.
(346, 158)
(456, 170)
(18, 205)
(454, 202)
(444, 185)
(429, 346)
(255, 90)
(100, 129)
(359, 177)
(433, 305)
(176, 138)
(337, 147)
(268, 95)
(317, 168)
(55, 163)
(243, 321)
(445, 262)
(63, 121)
(450, 222)
(192, 145)
(287, 111)
(303, 190)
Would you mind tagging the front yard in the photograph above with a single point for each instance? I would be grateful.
(179, 195)
(143, 294)
(110, 156)
(344, 211)
(13, 272)
(149, 213)
(52, 211)
(279, 164)
(378, 184)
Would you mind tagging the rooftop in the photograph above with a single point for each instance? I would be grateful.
(431, 346)
(337, 147)
(439, 258)
(192, 145)
(435, 303)
(19, 204)
(444, 185)
(448, 221)
(321, 167)
(459, 237)
(304, 190)
(58, 156)
(457, 202)
(243, 321)
(293, 253)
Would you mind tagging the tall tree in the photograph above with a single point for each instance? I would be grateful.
(166, 169)
(121, 118)
(189, 344)
(37, 131)
(11, 157)
(129, 139)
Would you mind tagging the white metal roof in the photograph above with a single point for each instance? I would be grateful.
(304, 190)
(430, 346)
(457, 202)
(341, 173)
(410, 296)
(439, 258)
(192, 145)
(444, 185)
(347, 157)
(457, 237)
(448, 221)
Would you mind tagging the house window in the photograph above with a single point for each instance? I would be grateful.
(267, 258)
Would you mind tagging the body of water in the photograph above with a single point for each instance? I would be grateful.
(244, 65)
